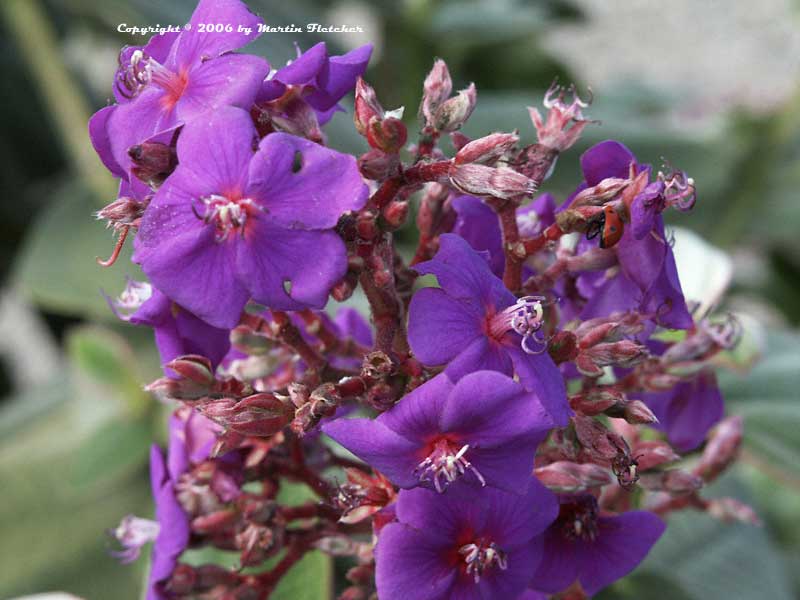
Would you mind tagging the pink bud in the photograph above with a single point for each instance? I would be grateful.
(214, 522)
(153, 162)
(453, 113)
(674, 481)
(501, 182)
(193, 367)
(564, 477)
(637, 413)
(730, 509)
(596, 400)
(388, 135)
(435, 90)
(486, 150)
(722, 448)
(377, 165)
(366, 106)
(654, 453)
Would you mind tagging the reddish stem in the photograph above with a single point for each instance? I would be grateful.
(123, 234)
(512, 273)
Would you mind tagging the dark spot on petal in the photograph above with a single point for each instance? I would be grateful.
(297, 161)
(287, 286)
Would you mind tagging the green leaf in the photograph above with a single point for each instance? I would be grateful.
(115, 449)
(56, 266)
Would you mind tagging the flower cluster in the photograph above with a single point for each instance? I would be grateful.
(517, 420)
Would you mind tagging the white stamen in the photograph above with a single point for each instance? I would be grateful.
(443, 466)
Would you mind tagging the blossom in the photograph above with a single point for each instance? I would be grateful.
(233, 222)
(177, 331)
(484, 430)
(468, 543)
(177, 77)
(688, 411)
(647, 278)
(310, 87)
(592, 548)
(474, 323)
(477, 223)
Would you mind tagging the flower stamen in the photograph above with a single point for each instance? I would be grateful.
(481, 556)
(445, 464)
(227, 215)
(525, 317)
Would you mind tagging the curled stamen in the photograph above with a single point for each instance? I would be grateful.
(725, 334)
(134, 72)
(679, 190)
(123, 234)
(226, 215)
(481, 556)
(444, 465)
(526, 318)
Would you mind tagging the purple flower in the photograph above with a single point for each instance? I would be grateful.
(688, 411)
(474, 323)
(484, 429)
(647, 279)
(176, 78)
(308, 89)
(593, 549)
(233, 223)
(177, 331)
(467, 543)
(477, 223)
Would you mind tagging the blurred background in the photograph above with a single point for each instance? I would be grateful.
(712, 86)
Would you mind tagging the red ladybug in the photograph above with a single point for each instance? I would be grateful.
(608, 226)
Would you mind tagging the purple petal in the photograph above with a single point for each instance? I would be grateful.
(158, 470)
(98, 133)
(465, 274)
(339, 78)
(513, 519)
(230, 80)
(173, 536)
(446, 515)
(497, 583)
(380, 447)
(488, 409)
(353, 325)
(290, 269)
(412, 564)
(559, 565)
(481, 355)
(538, 373)
(417, 416)
(606, 159)
(177, 454)
(645, 208)
(303, 70)
(194, 46)
(310, 195)
(440, 327)
(477, 224)
(532, 595)
(216, 150)
(622, 543)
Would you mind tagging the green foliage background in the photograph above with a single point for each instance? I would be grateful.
(74, 444)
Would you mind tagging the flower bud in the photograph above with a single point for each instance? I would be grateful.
(654, 453)
(500, 182)
(388, 135)
(193, 367)
(596, 400)
(721, 450)
(563, 347)
(258, 542)
(377, 165)
(214, 522)
(637, 412)
(453, 113)
(260, 415)
(486, 150)
(564, 477)
(435, 90)
(731, 509)
(675, 481)
(366, 107)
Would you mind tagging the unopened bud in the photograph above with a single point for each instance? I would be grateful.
(258, 542)
(486, 150)
(731, 509)
(721, 450)
(388, 135)
(453, 113)
(377, 165)
(123, 211)
(497, 182)
(563, 347)
(366, 107)
(214, 522)
(596, 400)
(435, 90)
(654, 453)
(624, 353)
(674, 481)
(193, 367)
(395, 214)
(564, 477)
(638, 413)
(259, 415)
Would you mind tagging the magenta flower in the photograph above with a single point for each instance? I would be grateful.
(647, 279)
(591, 548)
(316, 79)
(467, 543)
(474, 323)
(484, 429)
(233, 223)
(477, 223)
(177, 331)
(176, 78)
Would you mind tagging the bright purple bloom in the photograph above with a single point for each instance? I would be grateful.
(484, 429)
(688, 411)
(177, 331)
(477, 223)
(313, 81)
(647, 280)
(592, 548)
(240, 220)
(176, 78)
(477, 543)
(474, 323)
